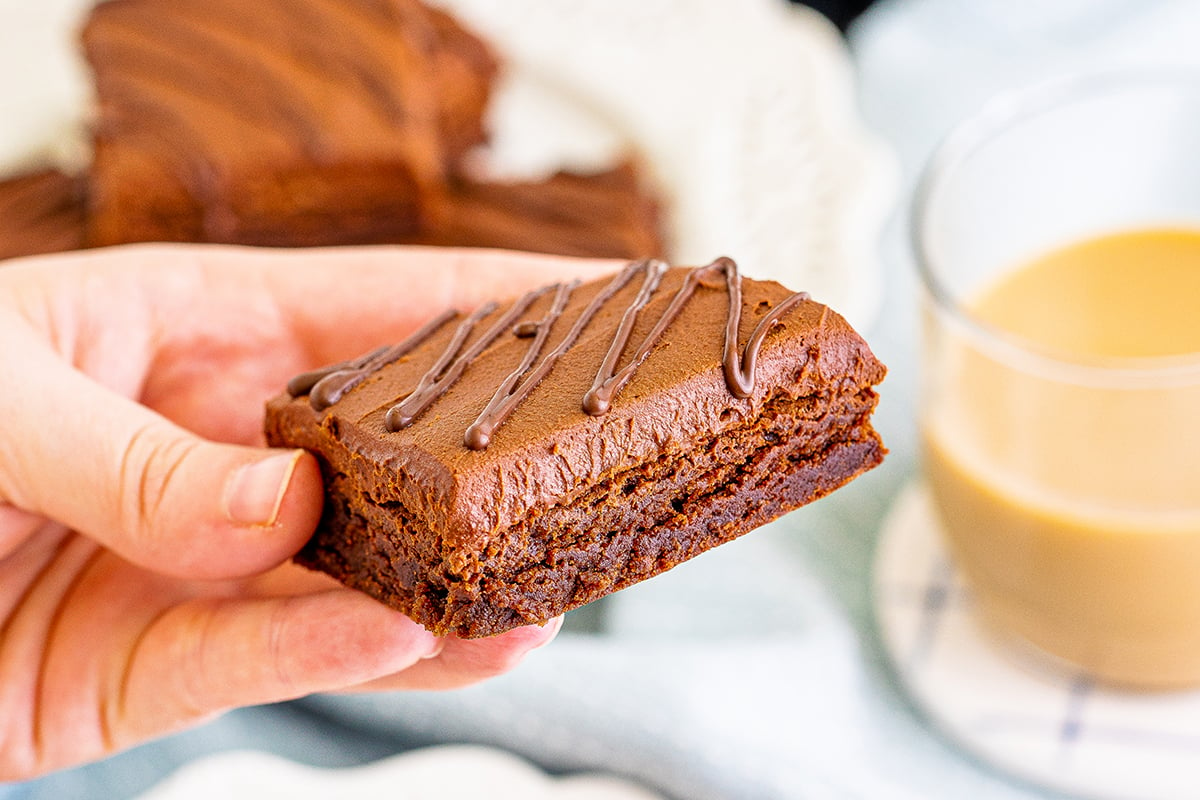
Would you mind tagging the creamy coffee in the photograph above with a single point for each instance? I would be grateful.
(1068, 476)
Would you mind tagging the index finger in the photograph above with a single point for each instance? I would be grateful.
(330, 302)
(343, 301)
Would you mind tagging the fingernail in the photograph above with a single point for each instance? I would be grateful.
(254, 492)
(439, 644)
(552, 628)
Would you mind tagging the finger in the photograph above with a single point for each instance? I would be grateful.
(16, 526)
(331, 298)
(157, 494)
(462, 662)
(336, 301)
(203, 658)
(453, 663)
(340, 302)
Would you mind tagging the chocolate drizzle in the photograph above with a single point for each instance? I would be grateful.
(479, 435)
(451, 364)
(506, 398)
(526, 330)
(739, 372)
(327, 386)
(609, 381)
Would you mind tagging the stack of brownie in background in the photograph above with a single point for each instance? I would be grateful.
(305, 123)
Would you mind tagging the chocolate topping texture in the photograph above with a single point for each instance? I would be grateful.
(328, 385)
(500, 467)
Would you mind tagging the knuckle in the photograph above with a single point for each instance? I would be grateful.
(150, 462)
(194, 646)
(279, 650)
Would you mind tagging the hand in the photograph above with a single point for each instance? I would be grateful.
(144, 529)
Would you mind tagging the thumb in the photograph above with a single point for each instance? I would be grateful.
(158, 495)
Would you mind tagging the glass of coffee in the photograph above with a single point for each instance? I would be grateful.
(1058, 241)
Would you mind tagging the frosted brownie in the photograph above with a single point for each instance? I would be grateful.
(603, 214)
(277, 122)
(500, 467)
(321, 122)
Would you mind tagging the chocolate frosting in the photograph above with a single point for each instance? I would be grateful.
(739, 373)
(451, 365)
(328, 385)
(479, 434)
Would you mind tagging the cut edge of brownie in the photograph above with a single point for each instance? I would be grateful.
(571, 554)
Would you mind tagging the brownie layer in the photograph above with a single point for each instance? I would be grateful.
(563, 505)
(629, 527)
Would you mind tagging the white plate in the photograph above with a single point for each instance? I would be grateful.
(744, 113)
(1031, 717)
(458, 772)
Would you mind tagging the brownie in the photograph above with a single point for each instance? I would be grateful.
(40, 212)
(294, 123)
(277, 122)
(499, 468)
(605, 214)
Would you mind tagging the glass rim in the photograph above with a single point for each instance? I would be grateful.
(965, 139)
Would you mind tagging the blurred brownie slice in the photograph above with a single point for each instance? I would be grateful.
(277, 122)
(501, 467)
(605, 214)
(40, 212)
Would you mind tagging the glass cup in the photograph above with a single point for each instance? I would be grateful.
(1068, 487)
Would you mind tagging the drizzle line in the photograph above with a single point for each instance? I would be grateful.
(495, 414)
(479, 434)
(451, 364)
(328, 385)
(598, 398)
(739, 372)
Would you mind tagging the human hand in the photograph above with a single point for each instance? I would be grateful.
(144, 529)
